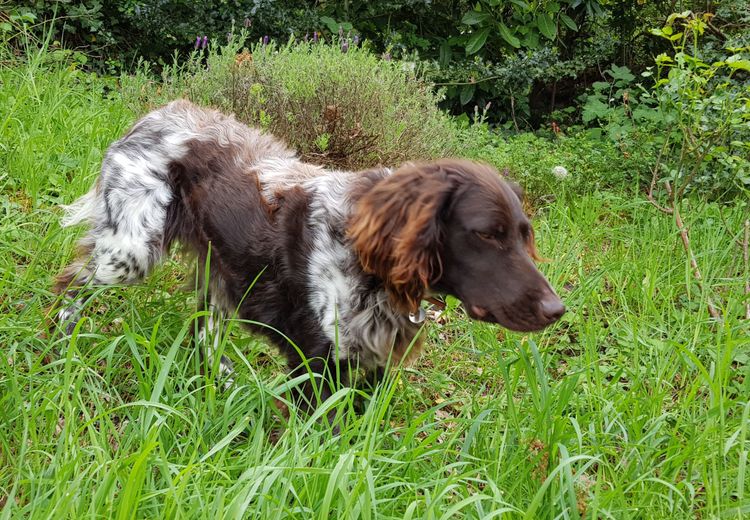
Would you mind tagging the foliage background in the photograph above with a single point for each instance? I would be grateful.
(526, 58)
(634, 405)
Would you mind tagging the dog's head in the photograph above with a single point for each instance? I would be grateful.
(454, 227)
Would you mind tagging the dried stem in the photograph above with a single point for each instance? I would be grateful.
(686, 244)
(513, 111)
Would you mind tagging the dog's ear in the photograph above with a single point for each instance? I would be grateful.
(396, 230)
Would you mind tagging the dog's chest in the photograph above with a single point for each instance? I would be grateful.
(355, 316)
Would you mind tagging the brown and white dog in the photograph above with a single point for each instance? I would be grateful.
(340, 260)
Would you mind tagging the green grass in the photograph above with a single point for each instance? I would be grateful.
(634, 406)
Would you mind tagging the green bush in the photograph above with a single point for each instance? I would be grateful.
(117, 33)
(346, 109)
(706, 93)
(691, 111)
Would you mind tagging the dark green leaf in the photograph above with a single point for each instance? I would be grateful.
(474, 18)
(621, 73)
(445, 54)
(531, 40)
(467, 92)
(330, 23)
(520, 3)
(477, 41)
(569, 22)
(593, 109)
(508, 36)
(546, 25)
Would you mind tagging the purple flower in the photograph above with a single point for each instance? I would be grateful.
(266, 39)
(387, 56)
(315, 37)
(247, 23)
(344, 45)
(356, 40)
(198, 42)
(205, 42)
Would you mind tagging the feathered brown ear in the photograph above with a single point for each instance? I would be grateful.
(396, 230)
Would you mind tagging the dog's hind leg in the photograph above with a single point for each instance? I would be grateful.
(126, 211)
(107, 261)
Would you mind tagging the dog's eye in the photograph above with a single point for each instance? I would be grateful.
(492, 237)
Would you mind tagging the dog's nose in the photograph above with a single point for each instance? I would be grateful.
(552, 307)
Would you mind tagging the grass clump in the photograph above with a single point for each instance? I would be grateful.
(346, 109)
(55, 123)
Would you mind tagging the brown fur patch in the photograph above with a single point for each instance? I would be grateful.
(395, 230)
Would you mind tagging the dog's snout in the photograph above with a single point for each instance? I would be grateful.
(552, 307)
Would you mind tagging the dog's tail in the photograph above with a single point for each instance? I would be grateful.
(82, 210)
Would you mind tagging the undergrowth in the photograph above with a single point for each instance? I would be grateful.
(634, 406)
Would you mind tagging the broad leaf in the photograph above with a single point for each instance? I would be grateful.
(546, 25)
(520, 3)
(568, 21)
(477, 41)
(445, 54)
(508, 36)
(467, 92)
(531, 40)
(332, 25)
(735, 61)
(474, 18)
(594, 108)
(621, 73)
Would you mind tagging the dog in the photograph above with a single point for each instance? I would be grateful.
(331, 265)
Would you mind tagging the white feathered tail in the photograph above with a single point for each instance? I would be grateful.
(82, 210)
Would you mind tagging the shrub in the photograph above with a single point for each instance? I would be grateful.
(117, 33)
(695, 118)
(706, 92)
(343, 108)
